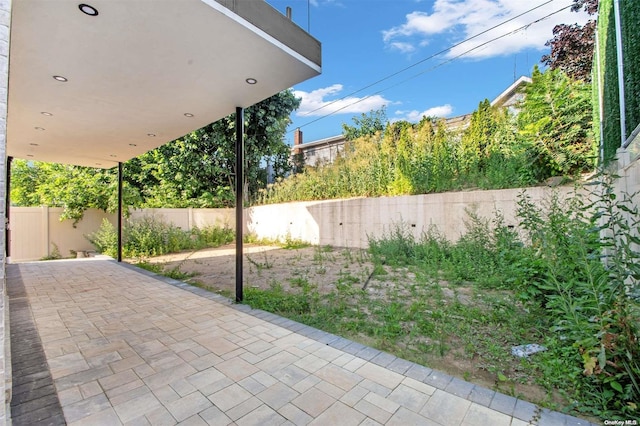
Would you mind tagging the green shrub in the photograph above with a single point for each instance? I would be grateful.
(211, 236)
(105, 239)
(150, 236)
(395, 247)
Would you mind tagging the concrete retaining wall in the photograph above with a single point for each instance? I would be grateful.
(350, 222)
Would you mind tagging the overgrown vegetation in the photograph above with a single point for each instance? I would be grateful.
(54, 254)
(287, 243)
(150, 236)
(567, 278)
(549, 137)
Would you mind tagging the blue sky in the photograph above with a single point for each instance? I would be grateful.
(364, 41)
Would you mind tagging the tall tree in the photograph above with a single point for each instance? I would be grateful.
(198, 170)
(366, 124)
(572, 46)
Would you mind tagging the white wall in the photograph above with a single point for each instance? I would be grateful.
(190, 218)
(343, 223)
(350, 222)
(629, 171)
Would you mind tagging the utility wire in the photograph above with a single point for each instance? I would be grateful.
(427, 70)
(429, 57)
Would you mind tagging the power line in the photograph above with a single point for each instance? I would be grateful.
(432, 68)
(430, 57)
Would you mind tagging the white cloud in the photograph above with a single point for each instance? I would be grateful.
(461, 19)
(316, 102)
(316, 3)
(415, 116)
(403, 47)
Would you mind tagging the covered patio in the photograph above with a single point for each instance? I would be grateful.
(96, 342)
(98, 83)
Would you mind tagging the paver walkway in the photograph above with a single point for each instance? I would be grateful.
(126, 347)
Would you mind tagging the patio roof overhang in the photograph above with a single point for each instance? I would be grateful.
(100, 83)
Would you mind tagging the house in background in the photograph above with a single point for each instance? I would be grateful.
(512, 95)
(322, 151)
(325, 151)
(509, 99)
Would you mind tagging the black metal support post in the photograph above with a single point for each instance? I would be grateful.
(239, 199)
(119, 212)
(7, 210)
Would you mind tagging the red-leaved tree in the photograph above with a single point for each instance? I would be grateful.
(572, 45)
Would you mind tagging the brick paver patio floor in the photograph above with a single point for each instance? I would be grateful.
(123, 346)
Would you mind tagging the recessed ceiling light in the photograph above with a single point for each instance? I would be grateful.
(34, 144)
(88, 10)
(60, 78)
(132, 144)
(151, 135)
(188, 114)
(251, 80)
(48, 114)
(39, 128)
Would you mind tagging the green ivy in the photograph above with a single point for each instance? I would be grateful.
(630, 15)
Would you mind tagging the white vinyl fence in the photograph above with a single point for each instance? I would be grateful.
(37, 232)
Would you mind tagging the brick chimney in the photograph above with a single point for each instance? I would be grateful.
(297, 140)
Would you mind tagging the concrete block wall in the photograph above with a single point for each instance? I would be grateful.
(629, 167)
(5, 349)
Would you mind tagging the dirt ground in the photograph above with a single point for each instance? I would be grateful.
(266, 265)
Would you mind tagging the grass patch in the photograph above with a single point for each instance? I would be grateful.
(158, 268)
(287, 243)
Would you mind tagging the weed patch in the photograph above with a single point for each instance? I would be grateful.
(150, 236)
(160, 269)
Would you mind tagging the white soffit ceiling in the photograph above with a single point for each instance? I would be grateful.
(139, 74)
